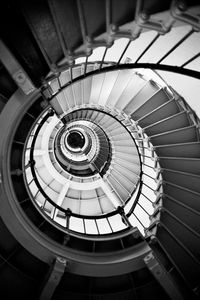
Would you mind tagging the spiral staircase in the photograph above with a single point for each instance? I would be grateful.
(100, 156)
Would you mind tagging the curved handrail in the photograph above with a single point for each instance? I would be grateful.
(68, 213)
(129, 66)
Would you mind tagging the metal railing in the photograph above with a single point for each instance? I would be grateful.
(142, 21)
(139, 203)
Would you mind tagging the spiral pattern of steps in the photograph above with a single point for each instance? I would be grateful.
(130, 166)
(146, 126)
(171, 127)
(100, 171)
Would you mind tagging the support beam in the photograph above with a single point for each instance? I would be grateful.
(53, 278)
(15, 70)
(163, 277)
(61, 197)
(110, 194)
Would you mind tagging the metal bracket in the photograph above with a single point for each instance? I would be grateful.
(53, 278)
(179, 12)
(163, 277)
(16, 71)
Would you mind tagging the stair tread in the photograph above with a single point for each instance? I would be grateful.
(173, 131)
(181, 187)
(181, 211)
(162, 112)
(156, 100)
(179, 158)
(142, 96)
(181, 172)
(134, 85)
(178, 144)
(183, 164)
(186, 134)
(118, 87)
(184, 179)
(176, 121)
(183, 195)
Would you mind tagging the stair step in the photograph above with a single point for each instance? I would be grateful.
(106, 121)
(179, 256)
(99, 118)
(79, 114)
(86, 88)
(76, 72)
(97, 82)
(62, 99)
(94, 115)
(118, 189)
(189, 238)
(143, 95)
(55, 85)
(182, 150)
(119, 86)
(182, 212)
(157, 99)
(188, 165)
(84, 113)
(181, 135)
(134, 85)
(64, 77)
(176, 121)
(129, 158)
(77, 92)
(131, 174)
(116, 127)
(124, 181)
(121, 136)
(128, 143)
(56, 106)
(89, 114)
(126, 150)
(69, 96)
(109, 81)
(183, 195)
(127, 168)
(164, 111)
(186, 180)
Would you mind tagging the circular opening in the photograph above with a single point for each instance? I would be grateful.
(75, 139)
